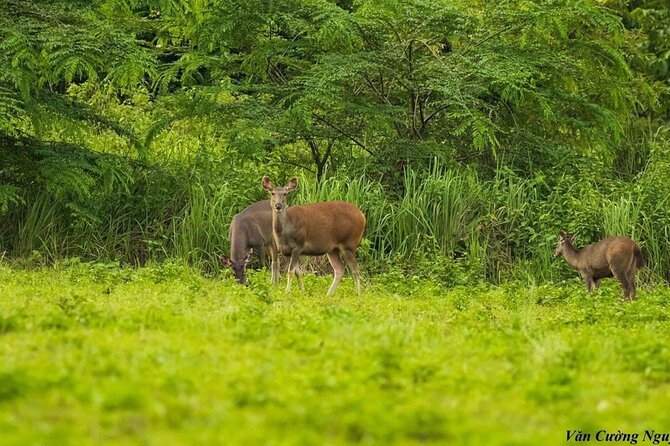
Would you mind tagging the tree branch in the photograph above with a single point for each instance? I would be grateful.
(291, 163)
(432, 115)
(342, 132)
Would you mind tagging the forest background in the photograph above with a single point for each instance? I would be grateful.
(469, 132)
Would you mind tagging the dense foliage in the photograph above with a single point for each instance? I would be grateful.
(469, 131)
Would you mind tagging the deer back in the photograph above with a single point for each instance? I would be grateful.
(318, 228)
(250, 228)
(620, 252)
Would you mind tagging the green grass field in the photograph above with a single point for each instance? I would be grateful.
(93, 354)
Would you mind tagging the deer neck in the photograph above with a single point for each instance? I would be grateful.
(571, 255)
(280, 224)
(237, 246)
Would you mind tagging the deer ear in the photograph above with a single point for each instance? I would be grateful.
(249, 256)
(267, 185)
(292, 185)
(562, 234)
(225, 261)
(573, 239)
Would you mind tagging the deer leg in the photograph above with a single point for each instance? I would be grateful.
(298, 277)
(275, 265)
(627, 289)
(338, 269)
(631, 285)
(625, 284)
(588, 281)
(292, 267)
(627, 280)
(350, 258)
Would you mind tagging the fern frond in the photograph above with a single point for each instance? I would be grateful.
(10, 195)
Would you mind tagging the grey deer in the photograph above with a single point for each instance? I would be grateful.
(331, 228)
(251, 230)
(615, 256)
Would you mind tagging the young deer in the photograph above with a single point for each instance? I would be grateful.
(331, 228)
(251, 230)
(615, 256)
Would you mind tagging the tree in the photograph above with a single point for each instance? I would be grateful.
(652, 18)
(46, 49)
(526, 81)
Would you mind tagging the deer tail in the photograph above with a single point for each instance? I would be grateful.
(639, 260)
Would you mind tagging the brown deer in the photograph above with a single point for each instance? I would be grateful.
(331, 228)
(251, 230)
(615, 256)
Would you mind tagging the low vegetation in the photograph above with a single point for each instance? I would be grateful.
(97, 354)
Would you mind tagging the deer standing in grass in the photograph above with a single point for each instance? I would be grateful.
(615, 256)
(331, 228)
(251, 230)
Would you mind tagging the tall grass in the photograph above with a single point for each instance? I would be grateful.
(437, 211)
(503, 227)
(652, 231)
(200, 232)
(621, 217)
(511, 204)
(36, 227)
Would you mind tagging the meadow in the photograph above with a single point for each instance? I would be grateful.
(98, 354)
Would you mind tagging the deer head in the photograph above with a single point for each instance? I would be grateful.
(278, 194)
(563, 241)
(238, 267)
